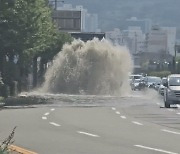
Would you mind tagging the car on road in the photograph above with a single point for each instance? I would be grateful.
(172, 90)
(152, 81)
(135, 84)
(135, 77)
(161, 87)
(135, 81)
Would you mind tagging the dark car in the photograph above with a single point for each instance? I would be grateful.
(152, 81)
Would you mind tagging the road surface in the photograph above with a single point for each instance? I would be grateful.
(137, 124)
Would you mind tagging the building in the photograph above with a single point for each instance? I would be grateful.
(115, 36)
(144, 24)
(171, 39)
(68, 20)
(91, 23)
(157, 40)
(134, 39)
(85, 36)
(75, 19)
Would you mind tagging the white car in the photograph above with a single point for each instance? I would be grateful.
(172, 90)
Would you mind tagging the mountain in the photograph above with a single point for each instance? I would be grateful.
(113, 13)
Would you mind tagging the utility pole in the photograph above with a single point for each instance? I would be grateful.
(135, 42)
(55, 4)
(174, 59)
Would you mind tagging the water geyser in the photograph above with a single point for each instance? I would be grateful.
(94, 67)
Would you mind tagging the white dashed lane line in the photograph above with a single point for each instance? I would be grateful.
(47, 113)
(52, 109)
(117, 112)
(44, 118)
(113, 108)
(169, 131)
(54, 124)
(137, 123)
(88, 134)
(154, 149)
(178, 113)
(123, 117)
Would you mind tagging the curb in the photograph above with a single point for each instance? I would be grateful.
(20, 150)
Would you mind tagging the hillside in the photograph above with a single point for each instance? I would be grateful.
(112, 13)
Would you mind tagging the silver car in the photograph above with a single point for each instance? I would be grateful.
(172, 90)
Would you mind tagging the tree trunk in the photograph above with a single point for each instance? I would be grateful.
(21, 70)
(2, 65)
(41, 71)
(34, 72)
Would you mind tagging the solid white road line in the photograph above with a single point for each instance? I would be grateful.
(123, 117)
(89, 134)
(44, 118)
(52, 109)
(154, 149)
(117, 112)
(169, 131)
(55, 124)
(113, 108)
(137, 123)
(47, 113)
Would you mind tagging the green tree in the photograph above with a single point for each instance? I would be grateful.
(27, 32)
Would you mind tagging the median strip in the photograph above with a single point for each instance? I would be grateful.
(154, 149)
(20, 150)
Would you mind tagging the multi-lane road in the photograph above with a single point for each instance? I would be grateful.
(131, 125)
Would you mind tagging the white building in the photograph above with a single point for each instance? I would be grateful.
(115, 36)
(134, 39)
(161, 40)
(144, 24)
(91, 23)
(171, 38)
